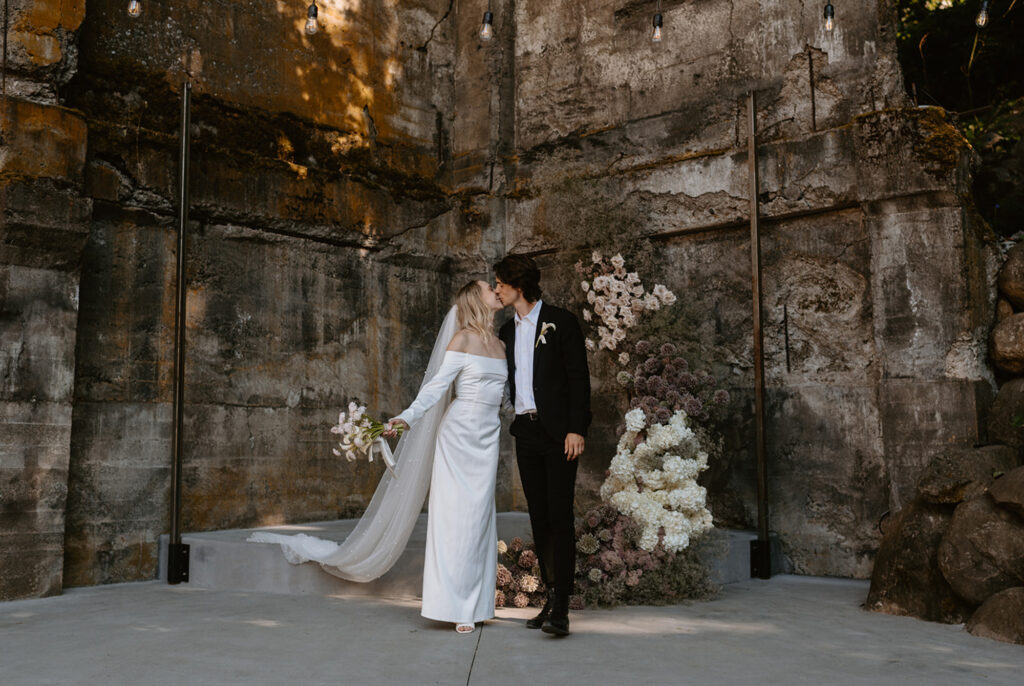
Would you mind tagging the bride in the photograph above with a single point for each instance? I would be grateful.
(455, 442)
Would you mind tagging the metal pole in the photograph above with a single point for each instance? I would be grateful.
(3, 84)
(177, 568)
(760, 552)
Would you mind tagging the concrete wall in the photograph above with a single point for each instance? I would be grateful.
(43, 227)
(869, 245)
(345, 184)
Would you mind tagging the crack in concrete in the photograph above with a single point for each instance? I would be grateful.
(423, 48)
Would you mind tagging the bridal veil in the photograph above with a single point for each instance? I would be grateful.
(383, 531)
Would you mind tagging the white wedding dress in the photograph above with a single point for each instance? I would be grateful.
(452, 448)
(461, 555)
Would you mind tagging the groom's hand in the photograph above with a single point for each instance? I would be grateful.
(573, 446)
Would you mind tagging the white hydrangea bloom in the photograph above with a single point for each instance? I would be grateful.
(665, 498)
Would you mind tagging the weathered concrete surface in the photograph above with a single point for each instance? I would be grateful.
(345, 184)
(321, 260)
(779, 632)
(43, 224)
(877, 288)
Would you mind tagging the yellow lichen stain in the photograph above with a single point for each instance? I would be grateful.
(285, 149)
(46, 16)
(941, 143)
(43, 141)
(42, 49)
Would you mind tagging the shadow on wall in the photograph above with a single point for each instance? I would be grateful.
(306, 151)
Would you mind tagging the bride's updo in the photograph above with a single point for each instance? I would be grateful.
(473, 313)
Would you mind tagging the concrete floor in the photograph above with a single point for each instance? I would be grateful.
(788, 630)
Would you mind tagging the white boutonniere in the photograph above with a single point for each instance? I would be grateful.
(547, 326)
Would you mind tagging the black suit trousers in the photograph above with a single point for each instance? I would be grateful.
(549, 482)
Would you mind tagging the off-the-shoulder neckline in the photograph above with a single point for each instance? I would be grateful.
(486, 357)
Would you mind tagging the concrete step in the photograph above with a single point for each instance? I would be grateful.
(224, 560)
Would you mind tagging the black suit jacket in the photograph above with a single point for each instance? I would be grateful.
(561, 377)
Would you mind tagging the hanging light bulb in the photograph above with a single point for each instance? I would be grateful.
(487, 30)
(830, 16)
(656, 33)
(134, 8)
(982, 19)
(311, 25)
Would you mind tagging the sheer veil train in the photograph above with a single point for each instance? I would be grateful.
(382, 532)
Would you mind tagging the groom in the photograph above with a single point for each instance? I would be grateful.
(550, 389)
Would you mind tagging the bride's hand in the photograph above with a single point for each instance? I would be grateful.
(391, 431)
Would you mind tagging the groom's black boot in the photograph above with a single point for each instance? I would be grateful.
(538, 621)
(557, 623)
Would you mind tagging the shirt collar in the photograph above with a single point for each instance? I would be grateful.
(533, 316)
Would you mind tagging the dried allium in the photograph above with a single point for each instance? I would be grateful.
(668, 349)
(529, 583)
(643, 348)
(588, 544)
(516, 544)
(528, 559)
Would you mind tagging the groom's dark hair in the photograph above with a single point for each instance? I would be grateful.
(520, 271)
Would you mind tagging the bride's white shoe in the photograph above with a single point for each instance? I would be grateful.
(465, 628)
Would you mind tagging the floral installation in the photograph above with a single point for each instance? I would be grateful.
(662, 383)
(358, 433)
(612, 570)
(653, 480)
(638, 546)
(616, 298)
(518, 582)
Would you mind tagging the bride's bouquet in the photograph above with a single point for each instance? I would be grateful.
(362, 434)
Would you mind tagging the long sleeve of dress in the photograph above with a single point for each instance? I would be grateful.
(433, 390)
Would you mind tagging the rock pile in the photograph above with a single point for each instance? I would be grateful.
(1006, 344)
(956, 553)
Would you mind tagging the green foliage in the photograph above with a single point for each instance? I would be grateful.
(950, 63)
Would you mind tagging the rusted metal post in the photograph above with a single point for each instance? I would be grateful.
(760, 551)
(177, 553)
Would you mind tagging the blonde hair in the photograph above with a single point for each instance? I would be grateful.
(473, 313)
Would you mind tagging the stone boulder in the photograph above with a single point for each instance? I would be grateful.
(982, 551)
(1003, 309)
(1007, 344)
(1011, 276)
(1001, 617)
(1006, 417)
(959, 474)
(906, 579)
(1008, 491)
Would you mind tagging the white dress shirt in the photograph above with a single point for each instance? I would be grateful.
(526, 334)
